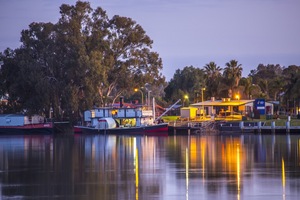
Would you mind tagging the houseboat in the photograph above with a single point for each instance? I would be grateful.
(22, 124)
(121, 121)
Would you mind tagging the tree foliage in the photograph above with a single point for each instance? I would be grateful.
(291, 77)
(213, 75)
(269, 79)
(266, 81)
(85, 59)
(232, 75)
(187, 81)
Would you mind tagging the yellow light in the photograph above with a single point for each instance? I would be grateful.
(187, 171)
(136, 174)
(186, 96)
(283, 175)
(237, 97)
(135, 89)
(238, 169)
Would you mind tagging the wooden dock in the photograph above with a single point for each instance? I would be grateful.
(194, 127)
(273, 129)
(231, 127)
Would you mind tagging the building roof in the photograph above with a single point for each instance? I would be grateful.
(188, 108)
(222, 103)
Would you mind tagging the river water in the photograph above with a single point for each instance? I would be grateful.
(127, 167)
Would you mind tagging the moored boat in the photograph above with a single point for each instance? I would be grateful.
(121, 121)
(22, 124)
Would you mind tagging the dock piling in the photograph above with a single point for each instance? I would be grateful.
(174, 128)
(273, 127)
(288, 126)
(242, 126)
(259, 127)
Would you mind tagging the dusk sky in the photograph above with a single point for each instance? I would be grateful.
(186, 32)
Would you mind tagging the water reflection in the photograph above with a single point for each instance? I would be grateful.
(174, 167)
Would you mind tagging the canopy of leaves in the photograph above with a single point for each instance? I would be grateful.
(213, 75)
(232, 75)
(187, 81)
(291, 78)
(85, 59)
(269, 78)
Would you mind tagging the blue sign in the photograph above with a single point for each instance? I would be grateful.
(260, 105)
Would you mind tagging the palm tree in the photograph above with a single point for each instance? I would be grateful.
(213, 75)
(212, 70)
(232, 74)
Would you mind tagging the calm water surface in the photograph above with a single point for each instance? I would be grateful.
(174, 167)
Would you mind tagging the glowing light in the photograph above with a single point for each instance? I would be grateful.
(238, 170)
(185, 100)
(299, 150)
(202, 149)
(193, 152)
(283, 178)
(187, 171)
(136, 174)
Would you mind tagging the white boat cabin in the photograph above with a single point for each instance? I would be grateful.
(19, 119)
(126, 117)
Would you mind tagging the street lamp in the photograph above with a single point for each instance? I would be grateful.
(136, 89)
(202, 96)
(186, 97)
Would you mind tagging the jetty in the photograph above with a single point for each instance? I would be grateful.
(232, 127)
(262, 128)
(193, 127)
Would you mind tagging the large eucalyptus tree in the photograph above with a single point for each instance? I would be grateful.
(112, 56)
(85, 59)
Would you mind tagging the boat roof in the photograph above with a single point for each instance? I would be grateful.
(12, 115)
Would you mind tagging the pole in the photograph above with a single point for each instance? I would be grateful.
(154, 113)
(202, 101)
(149, 99)
(142, 97)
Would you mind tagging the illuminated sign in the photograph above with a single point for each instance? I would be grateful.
(260, 105)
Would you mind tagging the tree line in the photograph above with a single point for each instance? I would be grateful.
(271, 82)
(88, 60)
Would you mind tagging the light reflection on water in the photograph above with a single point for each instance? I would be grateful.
(174, 167)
